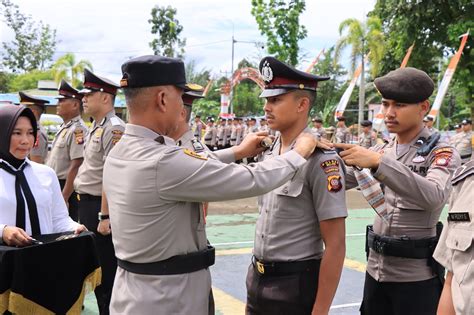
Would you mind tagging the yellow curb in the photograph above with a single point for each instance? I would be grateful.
(227, 304)
(235, 251)
(355, 265)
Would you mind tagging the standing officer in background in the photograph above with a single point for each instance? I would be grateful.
(159, 233)
(105, 132)
(291, 271)
(416, 171)
(455, 250)
(318, 128)
(368, 138)
(463, 142)
(342, 134)
(210, 136)
(429, 121)
(198, 127)
(39, 153)
(68, 146)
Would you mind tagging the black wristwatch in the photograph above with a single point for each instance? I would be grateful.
(103, 216)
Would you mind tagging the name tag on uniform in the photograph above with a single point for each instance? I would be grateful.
(459, 217)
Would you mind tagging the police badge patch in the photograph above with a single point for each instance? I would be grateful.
(79, 136)
(334, 183)
(266, 72)
(116, 136)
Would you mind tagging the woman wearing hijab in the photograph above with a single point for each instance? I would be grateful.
(30, 198)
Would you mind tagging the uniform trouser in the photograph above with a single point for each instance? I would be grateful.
(290, 293)
(89, 208)
(400, 298)
(72, 201)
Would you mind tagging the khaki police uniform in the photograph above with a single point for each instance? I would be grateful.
(288, 231)
(342, 135)
(68, 145)
(221, 137)
(368, 140)
(198, 130)
(463, 143)
(40, 147)
(234, 130)
(166, 219)
(319, 132)
(210, 137)
(455, 250)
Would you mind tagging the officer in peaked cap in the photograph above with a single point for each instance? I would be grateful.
(429, 121)
(415, 169)
(107, 129)
(318, 128)
(39, 152)
(368, 138)
(342, 134)
(465, 140)
(156, 214)
(299, 234)
(68, 145)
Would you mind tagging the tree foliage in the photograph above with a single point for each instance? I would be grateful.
(434, 26)
(279, 21)
(194, 76)
(68, 69)
(167, 29)
(29, 80)
(33, 45)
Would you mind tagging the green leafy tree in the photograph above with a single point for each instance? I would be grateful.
(201, 77)
(29, 80)
(363, 37)
(33, 45)
(279, 21)
(5, 79)
(434, 26)
(68, 69)
(167, 29)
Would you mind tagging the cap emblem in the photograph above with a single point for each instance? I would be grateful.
(267, 72)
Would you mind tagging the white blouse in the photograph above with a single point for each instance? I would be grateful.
(44, 185)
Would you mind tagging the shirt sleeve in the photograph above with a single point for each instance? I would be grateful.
(426, 192)
(62, 222)
(111, 137)
(40, 148)
(76, 144)
(185, 177)
(327, 184)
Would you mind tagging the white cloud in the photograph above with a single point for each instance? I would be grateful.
(109, 32)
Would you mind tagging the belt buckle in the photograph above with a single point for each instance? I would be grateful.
(78, 197)
(260, 267)
(379, 246)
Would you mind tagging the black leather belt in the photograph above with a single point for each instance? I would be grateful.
(274, 268)
(175, 265)
(87, 197)
(465, 156)
(400, 247)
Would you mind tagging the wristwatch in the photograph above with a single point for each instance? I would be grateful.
(103, 216)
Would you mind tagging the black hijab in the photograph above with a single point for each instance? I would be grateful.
(9, 115)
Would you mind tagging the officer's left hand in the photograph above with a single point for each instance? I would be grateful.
(81, 228)
(355, 155)
(104, 227)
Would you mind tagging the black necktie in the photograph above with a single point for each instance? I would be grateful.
(22, 184)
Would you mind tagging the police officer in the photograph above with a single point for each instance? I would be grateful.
(198, 127)
(455, 250)
(415, 169)
(318, 128)
(107, 129)
(39, 153)
(210, 136)
(342, 134)
(368, 138)
(159, 232)
(291, 272)
(429, 121)
(463, 141)
(68, 146)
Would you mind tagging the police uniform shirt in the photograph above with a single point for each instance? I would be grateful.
(320, 132)
(155, 213)
(52, 211)
(188, 141)
(68, 145)
(463, 144)
(233, 134)
(288, 223)
(455, 249)
(101, 139)
(221, 135)
(198, 130)
(342, 134)
(40, 147)
(210, 136)
(368, 140)
(227, 134)
(416, 190)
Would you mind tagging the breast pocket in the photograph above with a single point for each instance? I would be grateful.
(460, 241)
(287, 206)
(95, 145)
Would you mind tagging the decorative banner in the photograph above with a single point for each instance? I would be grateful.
(247, 73)
(206, 89)
(315, 61)
(347, 94)
(407, 56)
(448, 75)
(378, 119)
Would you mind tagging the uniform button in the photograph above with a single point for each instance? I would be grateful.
(285, 190)
(262, 235)
(456, 243)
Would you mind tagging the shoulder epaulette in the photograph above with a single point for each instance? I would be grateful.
(462, 172)
(115, 121)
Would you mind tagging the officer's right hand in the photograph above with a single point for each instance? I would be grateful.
(305, 144)
(250, 145)
(14, 236)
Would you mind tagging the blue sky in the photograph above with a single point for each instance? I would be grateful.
(107, 32)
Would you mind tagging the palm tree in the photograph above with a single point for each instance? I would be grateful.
(66, 68)
(364, 38)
